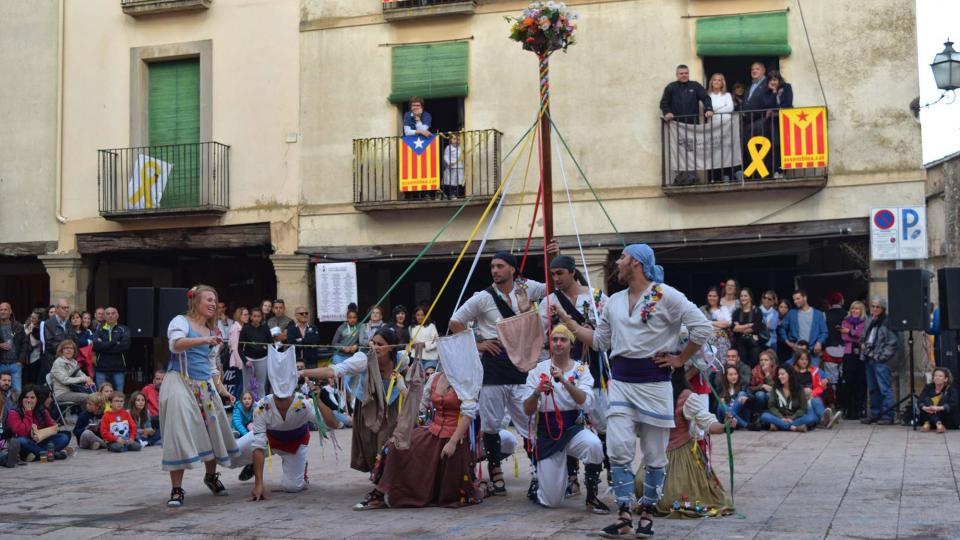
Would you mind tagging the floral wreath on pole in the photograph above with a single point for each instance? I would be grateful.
(544, 27)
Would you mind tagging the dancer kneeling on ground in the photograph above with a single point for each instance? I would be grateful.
(688, 479)
(280, 419)
(557, 389)
(437, 469)
(375, 413)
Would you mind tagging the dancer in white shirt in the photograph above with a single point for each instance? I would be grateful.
(641, 327)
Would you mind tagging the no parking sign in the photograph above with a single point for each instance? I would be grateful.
(898, 233)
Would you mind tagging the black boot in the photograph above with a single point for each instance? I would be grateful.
(491, 446)
(606, 459)
(592, 478)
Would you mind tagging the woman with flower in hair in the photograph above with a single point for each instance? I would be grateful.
(192, 419)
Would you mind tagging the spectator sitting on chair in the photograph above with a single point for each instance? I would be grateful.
(110, 345)
(803, 323)
(681, 102)
(939, 402)
(26, 419)
(879, 353)
(118, 428)
(417, 121)
(70, 383)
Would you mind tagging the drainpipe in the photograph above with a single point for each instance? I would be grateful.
(59, 151)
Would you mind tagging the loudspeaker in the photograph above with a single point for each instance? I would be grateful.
(949, 351)
(908, 306)
(171, 302)
(141, 309)
(948, 281)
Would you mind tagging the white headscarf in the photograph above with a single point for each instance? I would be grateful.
(282, 371)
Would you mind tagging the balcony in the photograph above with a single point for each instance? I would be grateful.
(717, 156)
(139, 8)
(394, 10)
(154, 181)
(376, 172)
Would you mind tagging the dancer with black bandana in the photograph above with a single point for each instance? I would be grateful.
(641, 327)
(503, 384)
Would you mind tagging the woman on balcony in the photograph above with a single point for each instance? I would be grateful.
(779, 95)
(725, 134)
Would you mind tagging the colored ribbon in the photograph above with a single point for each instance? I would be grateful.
(758, 147)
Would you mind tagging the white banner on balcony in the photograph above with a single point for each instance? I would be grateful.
(703, 147)
(147, 181)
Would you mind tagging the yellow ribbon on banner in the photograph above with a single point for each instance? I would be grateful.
(758, 147)
(149, 173)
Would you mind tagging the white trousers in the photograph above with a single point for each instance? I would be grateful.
(552, 471)
(622, 434)
(499, 401)
(294, 465)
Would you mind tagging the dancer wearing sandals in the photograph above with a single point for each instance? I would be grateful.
(557, 389)
(641, 326)
(376, 412)
(192, 419)
(503, 384)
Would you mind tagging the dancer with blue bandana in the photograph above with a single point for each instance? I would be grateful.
(641, 327)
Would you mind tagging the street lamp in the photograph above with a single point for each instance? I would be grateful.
(946, 67)
(946, 73)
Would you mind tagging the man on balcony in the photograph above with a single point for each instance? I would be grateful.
(681, 102)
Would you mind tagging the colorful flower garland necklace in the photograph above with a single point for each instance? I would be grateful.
(650, 301)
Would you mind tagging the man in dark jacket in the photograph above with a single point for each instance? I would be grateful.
(14, 346)
(110, 344)
(54, 331)
(879, 353)
(681, 102)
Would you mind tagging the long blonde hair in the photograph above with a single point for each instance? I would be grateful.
(193, 301)
(723, 80)
(857, 304)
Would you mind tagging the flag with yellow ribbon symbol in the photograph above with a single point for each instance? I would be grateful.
(147, 181)
(803, 138)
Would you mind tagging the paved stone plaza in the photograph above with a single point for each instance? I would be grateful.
(850, 482)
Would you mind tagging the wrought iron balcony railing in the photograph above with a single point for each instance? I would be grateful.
(163, 180)
(472, 169)
(405, 9)
(740, 151)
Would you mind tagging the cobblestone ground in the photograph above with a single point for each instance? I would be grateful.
(850, 482)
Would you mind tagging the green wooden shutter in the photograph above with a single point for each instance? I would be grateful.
(763, 34)
(174, 116)
(435, 70)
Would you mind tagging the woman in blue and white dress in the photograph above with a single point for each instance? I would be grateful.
(192, 419)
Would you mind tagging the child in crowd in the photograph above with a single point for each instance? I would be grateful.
(87, 429)
(788, 407)
(137, 407)
(106, 390)
(118, 428)
(734, 398)
(332, 398)
(243, 415)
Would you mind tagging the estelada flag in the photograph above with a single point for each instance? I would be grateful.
(419, 163)
(803, 137)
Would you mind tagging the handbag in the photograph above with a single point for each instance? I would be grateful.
(41, 434)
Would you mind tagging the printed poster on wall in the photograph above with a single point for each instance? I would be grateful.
(336, 289)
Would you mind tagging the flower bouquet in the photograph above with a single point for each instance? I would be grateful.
(544, 27)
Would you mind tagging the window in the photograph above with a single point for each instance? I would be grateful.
(763, 34)
(173, 118)
(437, 72)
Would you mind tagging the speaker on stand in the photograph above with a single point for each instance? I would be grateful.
(908, 309)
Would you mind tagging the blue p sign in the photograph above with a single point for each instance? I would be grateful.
(909, 218)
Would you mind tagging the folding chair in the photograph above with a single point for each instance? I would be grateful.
(60, 406)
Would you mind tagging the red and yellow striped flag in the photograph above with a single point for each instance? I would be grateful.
(419, 163)
(803, 137)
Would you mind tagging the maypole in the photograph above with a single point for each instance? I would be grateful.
(542, 28)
